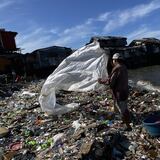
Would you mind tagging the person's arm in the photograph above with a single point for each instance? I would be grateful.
(113, 78)
(103, 81)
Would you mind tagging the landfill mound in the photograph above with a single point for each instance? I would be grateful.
(92, 132)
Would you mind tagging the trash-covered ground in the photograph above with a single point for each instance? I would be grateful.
(92, 132)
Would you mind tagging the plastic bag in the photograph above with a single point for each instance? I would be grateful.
(78, 72)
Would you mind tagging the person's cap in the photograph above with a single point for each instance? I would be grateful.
(117, 56)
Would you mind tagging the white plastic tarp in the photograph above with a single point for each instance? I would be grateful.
(78, 72)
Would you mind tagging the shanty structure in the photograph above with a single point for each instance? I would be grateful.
(110, 41)
(139, 53)
(43, 61)
(10, 59)
(7, 41)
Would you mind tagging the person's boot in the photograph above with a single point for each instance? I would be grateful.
(116, 111)
(126, 121)
(128, 127)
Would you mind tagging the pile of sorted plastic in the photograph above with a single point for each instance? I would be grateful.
(92, 131)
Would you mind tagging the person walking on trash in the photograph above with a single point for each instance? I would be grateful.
(118, 82)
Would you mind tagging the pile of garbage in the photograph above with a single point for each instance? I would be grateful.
(92, 131)
(7, 87)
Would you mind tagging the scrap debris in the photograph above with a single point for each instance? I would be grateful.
(92, 131)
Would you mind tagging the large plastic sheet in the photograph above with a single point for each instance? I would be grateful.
(78, 72)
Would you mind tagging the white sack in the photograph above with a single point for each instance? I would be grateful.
(78, 72)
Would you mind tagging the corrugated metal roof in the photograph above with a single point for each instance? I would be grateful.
(145, 40)
(7, 40)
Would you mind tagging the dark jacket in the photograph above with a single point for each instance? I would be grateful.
(118, 81)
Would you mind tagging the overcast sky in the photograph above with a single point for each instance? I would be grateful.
(71, 23)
